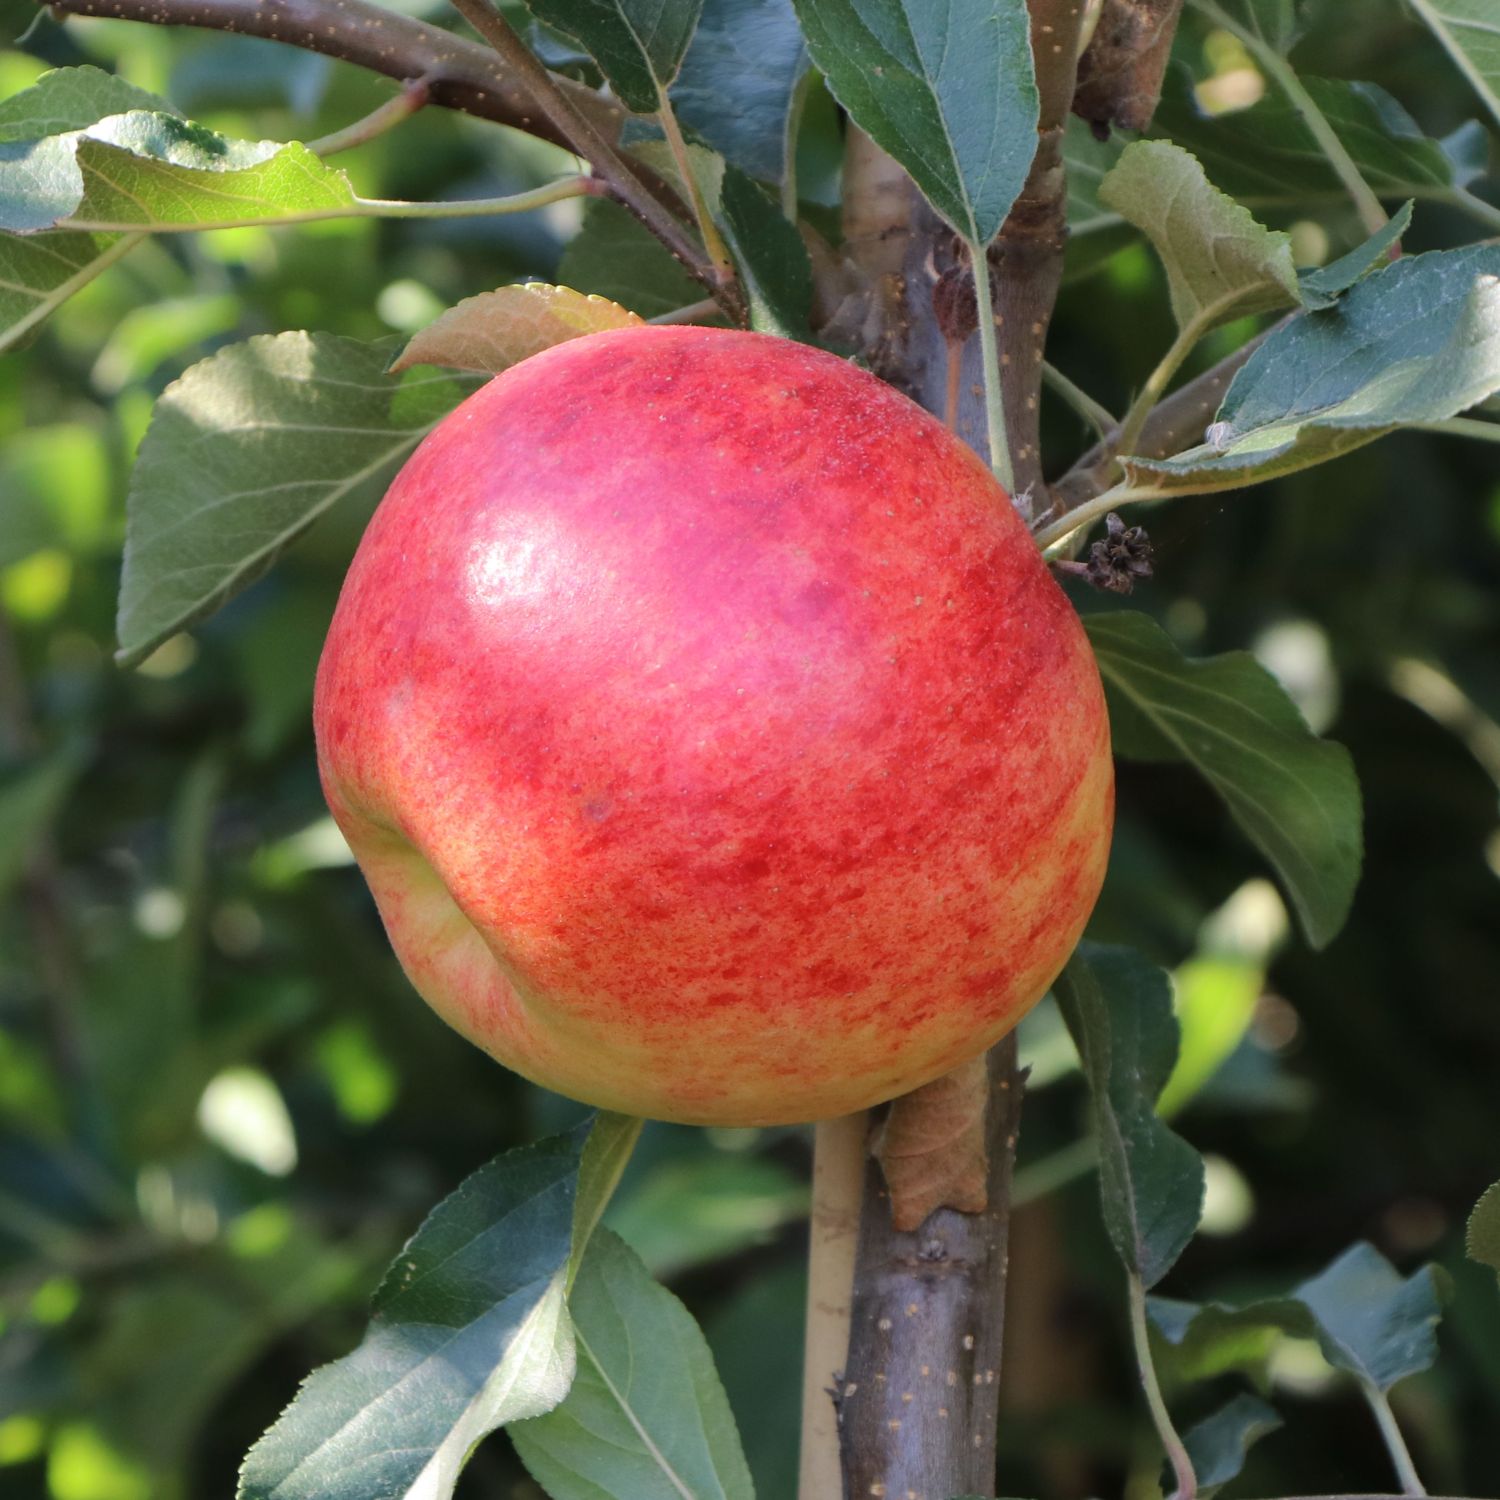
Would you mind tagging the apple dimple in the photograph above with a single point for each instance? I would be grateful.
(728, 703)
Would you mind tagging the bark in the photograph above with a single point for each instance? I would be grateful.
(460, 74)
(918, 1406)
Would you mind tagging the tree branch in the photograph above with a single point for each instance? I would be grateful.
(918, 1407)
(460, 74)
(584, 137)
(1121, 70)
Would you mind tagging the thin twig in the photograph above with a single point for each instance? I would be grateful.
(461, 74)
(1395, 1443)
(589, 142)
(1177, 1454)
(414, 96)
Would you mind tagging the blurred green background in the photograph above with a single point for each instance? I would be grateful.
(222, 1109)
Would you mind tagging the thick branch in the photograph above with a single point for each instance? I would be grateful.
(1028, 255)
(918, 1407)
(460, 74)
(1121, 71)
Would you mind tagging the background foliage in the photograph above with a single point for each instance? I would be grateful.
(222, 1111)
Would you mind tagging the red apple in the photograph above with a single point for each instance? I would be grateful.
(711, 733)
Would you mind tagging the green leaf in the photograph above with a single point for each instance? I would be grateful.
(1219, 1443)
(1267, 158)
(468, 1331)
(770, 255)
(682, 1214)
(29, 801)
(1216, 997)
(1203, 1342)
(1323, 287)
(1471, 33)
(1369, 1321)
(1366, 1319)
(1118, 1008)
(1483, 1239)
(606, 1154)
(245, 452)
(1220, 263)
(145, 170)
(1295, 796)
(39, 272)
(498, 329)
(949, 90)
(615, 257)
(738, 85)
(70, 99)
(1417, 341)
(646, 1418)
(638, 44)
(1094, 231)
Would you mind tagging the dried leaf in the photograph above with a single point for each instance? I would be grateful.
(931, 1147)
(498, 329)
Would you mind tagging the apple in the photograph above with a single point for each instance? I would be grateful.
(712, 735)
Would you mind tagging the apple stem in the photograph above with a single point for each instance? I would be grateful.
(989, 353)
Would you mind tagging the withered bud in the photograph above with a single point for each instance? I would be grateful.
(953, 304)
(1123, 556)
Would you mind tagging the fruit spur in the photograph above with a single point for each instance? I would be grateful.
(711, 733)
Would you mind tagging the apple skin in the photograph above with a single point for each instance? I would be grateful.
(715, 742)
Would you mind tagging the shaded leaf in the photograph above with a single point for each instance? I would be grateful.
(1266, 157)
(1220, 263)
(1470, 30)
(468, 1331)
(1417, 341)
(616, 257)
(738, 85)
(495, 330)
(1295, 796)
(1219, 1443)
(1367, 1321)
(1323, 287)
(1203, 1342)
(633, 1427)
(949, 90)
(245, 452)
(1275, 22)
(1483, 1238)
(638, 44)
(1094, 231)
(770, 256)
(29, 800)
(1118, 1008)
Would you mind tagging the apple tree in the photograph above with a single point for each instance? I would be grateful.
(1138, 256)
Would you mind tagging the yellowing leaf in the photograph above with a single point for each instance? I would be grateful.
(498, 329)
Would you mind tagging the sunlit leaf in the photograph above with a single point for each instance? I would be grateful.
(245, 452)
(1294, 795)
(468, 1331)
(495, 330)
(635, 1427)
(1220, 263)
(949, 90)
